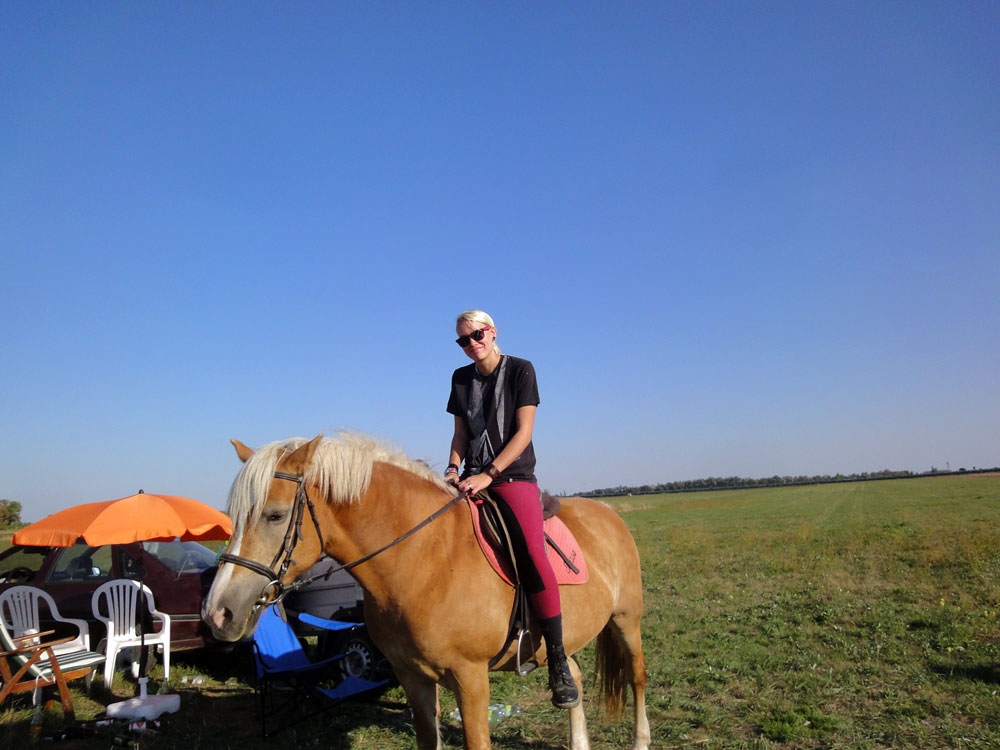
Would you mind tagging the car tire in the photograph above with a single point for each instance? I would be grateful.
(361, 658)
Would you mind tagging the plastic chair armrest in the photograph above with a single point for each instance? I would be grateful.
(321, 622)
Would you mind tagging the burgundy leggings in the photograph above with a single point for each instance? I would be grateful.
(524, 504)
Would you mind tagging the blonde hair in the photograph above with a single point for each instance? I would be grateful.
(478, 316)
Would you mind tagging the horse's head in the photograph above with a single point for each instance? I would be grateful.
(275, 538)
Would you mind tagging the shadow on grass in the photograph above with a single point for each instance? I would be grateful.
(985, 673)
(384, 714)
(220, 710)
(220, 716)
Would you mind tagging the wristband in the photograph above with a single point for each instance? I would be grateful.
(452, 469)
(492, 472)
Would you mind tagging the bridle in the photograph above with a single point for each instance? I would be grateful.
(274, 590)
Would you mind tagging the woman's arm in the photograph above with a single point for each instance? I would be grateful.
(459, 444)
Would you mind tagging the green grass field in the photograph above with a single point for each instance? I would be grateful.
(855, 615)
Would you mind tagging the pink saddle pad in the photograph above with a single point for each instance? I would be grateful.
(560, 535)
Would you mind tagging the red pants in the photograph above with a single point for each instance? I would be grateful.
(523, 502)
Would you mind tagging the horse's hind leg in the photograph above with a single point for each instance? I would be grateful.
(578, 739)
(640, 735)
(627, 627)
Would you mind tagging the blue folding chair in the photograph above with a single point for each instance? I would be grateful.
(290, 685)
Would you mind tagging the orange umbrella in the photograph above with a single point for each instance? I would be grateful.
(137, 518)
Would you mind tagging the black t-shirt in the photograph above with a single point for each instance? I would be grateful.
(520, 389)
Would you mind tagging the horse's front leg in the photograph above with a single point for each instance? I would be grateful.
(422, 695)
(471, 686)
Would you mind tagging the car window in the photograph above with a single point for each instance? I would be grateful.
(81, 562)
(181, 557)
(21, 564)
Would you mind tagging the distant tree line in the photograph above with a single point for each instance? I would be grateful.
(734, 483)
(10, 514)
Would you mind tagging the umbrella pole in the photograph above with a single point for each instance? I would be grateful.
(142, 617)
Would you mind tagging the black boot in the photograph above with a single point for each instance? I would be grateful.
(564, 692)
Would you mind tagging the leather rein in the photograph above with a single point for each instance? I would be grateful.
(274, 590)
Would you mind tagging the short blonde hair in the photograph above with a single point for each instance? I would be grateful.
(478, 316)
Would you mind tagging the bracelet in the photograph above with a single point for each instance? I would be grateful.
(452, 469)
(492, 472)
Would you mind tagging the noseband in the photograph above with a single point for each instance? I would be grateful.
(274, 590)
(284, 555)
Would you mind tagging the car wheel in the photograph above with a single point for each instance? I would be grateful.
(360, 657)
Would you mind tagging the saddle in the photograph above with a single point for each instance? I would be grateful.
(561, 547)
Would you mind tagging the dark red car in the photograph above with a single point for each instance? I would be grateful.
(178, 573)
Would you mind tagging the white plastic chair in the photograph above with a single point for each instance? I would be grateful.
(19, 607)
(116, 604)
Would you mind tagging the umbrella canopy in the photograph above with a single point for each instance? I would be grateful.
(137, 518)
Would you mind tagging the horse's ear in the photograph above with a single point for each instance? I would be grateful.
(241, 450)
(303, 456)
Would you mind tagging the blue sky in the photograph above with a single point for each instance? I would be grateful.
(734, 238)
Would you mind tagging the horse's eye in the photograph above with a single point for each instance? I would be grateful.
(274, 516)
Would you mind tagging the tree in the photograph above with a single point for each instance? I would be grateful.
(10, 514)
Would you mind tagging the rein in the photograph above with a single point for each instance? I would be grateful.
(294, 533)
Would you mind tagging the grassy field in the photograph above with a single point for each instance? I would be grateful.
(856, 615)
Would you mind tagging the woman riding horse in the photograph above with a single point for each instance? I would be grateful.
(493, 401)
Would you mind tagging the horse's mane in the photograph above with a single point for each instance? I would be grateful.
(341, 468)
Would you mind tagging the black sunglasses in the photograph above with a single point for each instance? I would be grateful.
(464, 341)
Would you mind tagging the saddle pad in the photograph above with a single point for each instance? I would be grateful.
(558, 533)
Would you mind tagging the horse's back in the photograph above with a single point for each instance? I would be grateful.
(614, 584)
(599, 530)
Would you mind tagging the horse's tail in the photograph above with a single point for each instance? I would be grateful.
(611, 672)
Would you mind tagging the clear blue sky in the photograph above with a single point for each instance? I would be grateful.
(734, 238)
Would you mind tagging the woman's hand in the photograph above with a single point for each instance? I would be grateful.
(475, 484)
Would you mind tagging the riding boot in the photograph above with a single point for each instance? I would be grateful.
(564, 692)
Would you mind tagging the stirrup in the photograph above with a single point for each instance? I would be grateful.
(525, 668)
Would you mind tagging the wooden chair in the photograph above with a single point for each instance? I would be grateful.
(30, 663)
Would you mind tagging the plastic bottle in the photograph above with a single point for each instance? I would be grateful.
(36, 725)
(497, 712)
(501, 711)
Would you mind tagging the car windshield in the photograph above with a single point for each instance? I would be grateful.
(181, 557)
(21, 564)
(82, 562)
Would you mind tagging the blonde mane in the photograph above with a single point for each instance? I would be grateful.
(341, 468)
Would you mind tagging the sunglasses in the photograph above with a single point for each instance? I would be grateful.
(464, 341)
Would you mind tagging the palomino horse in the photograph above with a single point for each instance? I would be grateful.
(432, 603)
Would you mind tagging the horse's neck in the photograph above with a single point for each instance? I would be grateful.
(395, 503)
